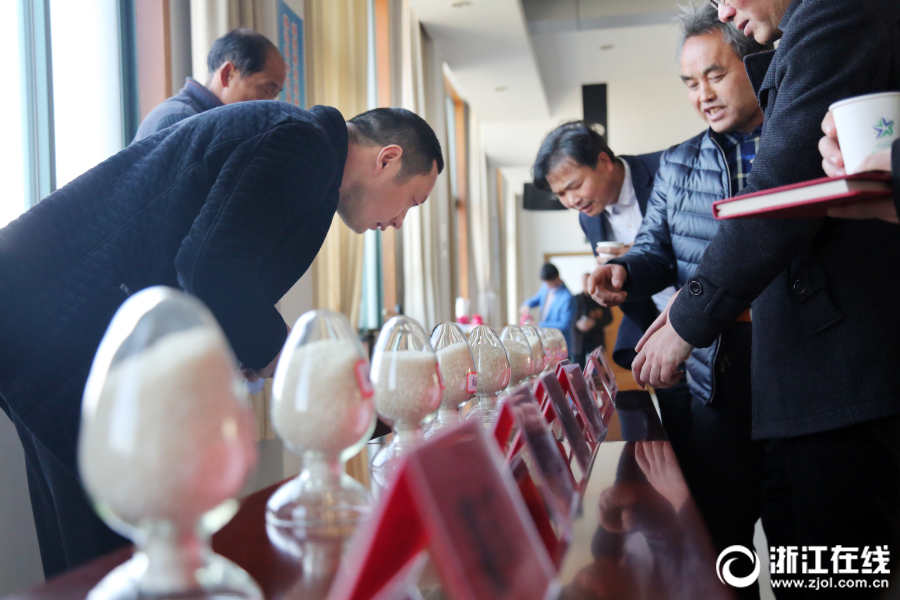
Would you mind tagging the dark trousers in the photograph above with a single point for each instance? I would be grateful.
(835, 488)
(69, 531)
(722, 464)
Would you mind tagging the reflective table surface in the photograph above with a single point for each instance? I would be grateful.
(637, 535)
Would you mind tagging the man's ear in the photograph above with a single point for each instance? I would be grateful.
(226, 72)
(605, 161)
(389, 159)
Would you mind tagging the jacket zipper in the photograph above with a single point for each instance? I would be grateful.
(715, 358)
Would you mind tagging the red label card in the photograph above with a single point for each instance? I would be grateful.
(575, 385)
(554, 472)
(452, 496)
(362, 378)
(472, 382)
(605, 368)
(600, 394)
(563, 412)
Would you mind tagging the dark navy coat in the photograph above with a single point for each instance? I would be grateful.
(231, 206)
(826, 329)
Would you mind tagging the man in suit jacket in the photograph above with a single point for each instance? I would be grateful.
(556, 305)
(610, 193)
(232, 207)
(826, 330)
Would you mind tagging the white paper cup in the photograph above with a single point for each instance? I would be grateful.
(605, 247)
(605, 250)
(866, 124)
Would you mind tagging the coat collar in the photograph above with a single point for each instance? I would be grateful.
(641, 179)
(757, 66)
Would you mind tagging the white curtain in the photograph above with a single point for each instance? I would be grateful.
(514, 296)
(211, 19)
(425, 232)
(484, 297)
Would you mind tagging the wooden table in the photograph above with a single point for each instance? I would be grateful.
(638, 534)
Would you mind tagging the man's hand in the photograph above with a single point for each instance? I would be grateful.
(605, 285)
(524, 310)
(585, 325)
(833, 165)
(830, 149)
(660, 352)
(657, 461)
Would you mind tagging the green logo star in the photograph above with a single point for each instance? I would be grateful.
(884, 129)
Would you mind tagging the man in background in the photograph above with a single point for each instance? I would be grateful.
(556, 304)
(243, 65)
(722, 464)
(610, 192)
(591, 320)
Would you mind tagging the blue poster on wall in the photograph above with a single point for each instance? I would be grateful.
(290, 42)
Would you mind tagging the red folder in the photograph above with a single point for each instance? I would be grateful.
(806, 199)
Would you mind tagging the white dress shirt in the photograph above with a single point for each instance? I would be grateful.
(625, 218)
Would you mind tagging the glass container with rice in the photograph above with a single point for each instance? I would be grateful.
(551, 348)
(458, 370)
(537, 350)
(492, 365)
(408, 386)
(521, 360)
(167, 440)
(322, 408)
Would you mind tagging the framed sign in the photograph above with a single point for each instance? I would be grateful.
(599, 362)
(574, 384)
(452, 496)
(559, 402)
(290, 43)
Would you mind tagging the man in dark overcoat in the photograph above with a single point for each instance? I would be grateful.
(826, 329)
(232, 206)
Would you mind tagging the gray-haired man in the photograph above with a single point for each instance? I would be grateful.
(711, 437)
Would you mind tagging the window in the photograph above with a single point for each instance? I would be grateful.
(13, 147)
(87, 90)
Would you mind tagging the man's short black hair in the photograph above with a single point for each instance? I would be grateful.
(549, 272)
(575, 140)
(404, 128)
(245, 48)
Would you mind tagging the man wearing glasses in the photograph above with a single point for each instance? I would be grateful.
(826, 329)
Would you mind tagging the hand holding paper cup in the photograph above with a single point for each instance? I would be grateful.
(865, 125)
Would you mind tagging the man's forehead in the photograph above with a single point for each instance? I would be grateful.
(563, 170)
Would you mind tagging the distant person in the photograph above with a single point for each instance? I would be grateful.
(556, 304)
(610, 192)
(591, 320)
(243, 65)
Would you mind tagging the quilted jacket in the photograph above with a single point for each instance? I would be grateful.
(231, 206)
(678, 226)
